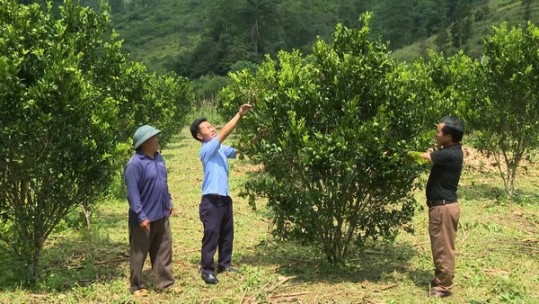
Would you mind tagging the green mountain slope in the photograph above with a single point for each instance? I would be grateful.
(160, 30)
(513, 12)
(165, 33)
(176, 33)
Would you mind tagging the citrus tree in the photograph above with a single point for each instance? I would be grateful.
(332, 132)
(504, 110)
(69, 102)
(450, 81)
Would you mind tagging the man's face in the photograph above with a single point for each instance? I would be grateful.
(207, 131)
(441, 139)
(151, 145)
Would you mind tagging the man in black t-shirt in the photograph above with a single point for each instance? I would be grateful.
(442, 202)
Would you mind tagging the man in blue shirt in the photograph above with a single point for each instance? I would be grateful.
(149, 209)
(216, 205)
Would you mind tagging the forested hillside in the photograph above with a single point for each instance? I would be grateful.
(476, 24)
(194, 38)
(197, 38)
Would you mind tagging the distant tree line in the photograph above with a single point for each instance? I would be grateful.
(234, 33)
(246, 30)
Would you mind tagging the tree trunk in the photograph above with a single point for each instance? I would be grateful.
(255, 35)
(517, 157)
(32, 266)
(86, 210)
(512, 177)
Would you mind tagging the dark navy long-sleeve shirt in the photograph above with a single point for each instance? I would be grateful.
(147, 188)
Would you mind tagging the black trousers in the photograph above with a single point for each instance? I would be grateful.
(216, 216)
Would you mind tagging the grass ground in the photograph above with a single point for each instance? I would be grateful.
(497, 245)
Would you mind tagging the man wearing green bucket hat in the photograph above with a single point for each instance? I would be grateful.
(149, 209)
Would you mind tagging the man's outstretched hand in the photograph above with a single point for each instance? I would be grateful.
(244, 108)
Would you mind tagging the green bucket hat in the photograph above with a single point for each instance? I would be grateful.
(143, 134)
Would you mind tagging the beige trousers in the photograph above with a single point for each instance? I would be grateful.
(443, 222)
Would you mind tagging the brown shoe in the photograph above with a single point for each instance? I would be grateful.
(437, 293)
(140, 293)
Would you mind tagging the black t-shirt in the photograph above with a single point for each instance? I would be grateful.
(445, 173)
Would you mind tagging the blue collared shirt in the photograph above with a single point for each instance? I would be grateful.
(147, 188)
(214, 157)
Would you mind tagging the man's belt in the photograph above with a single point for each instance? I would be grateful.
(434, 203)
(216, 195)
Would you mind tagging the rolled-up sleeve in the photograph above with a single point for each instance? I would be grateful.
(229, 151)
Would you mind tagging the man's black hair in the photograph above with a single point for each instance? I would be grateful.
(454, 127)
(195, 127)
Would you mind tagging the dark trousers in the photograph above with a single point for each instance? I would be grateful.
(158, 243)
(443, 222)
(216, 216)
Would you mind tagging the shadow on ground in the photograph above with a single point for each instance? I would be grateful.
(480, 192)
(82, 262)
(373, 264)
(73, 261)
(486, 192)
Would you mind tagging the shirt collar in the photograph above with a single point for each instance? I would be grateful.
(457, 145)
(209, 141)
(141, 154)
